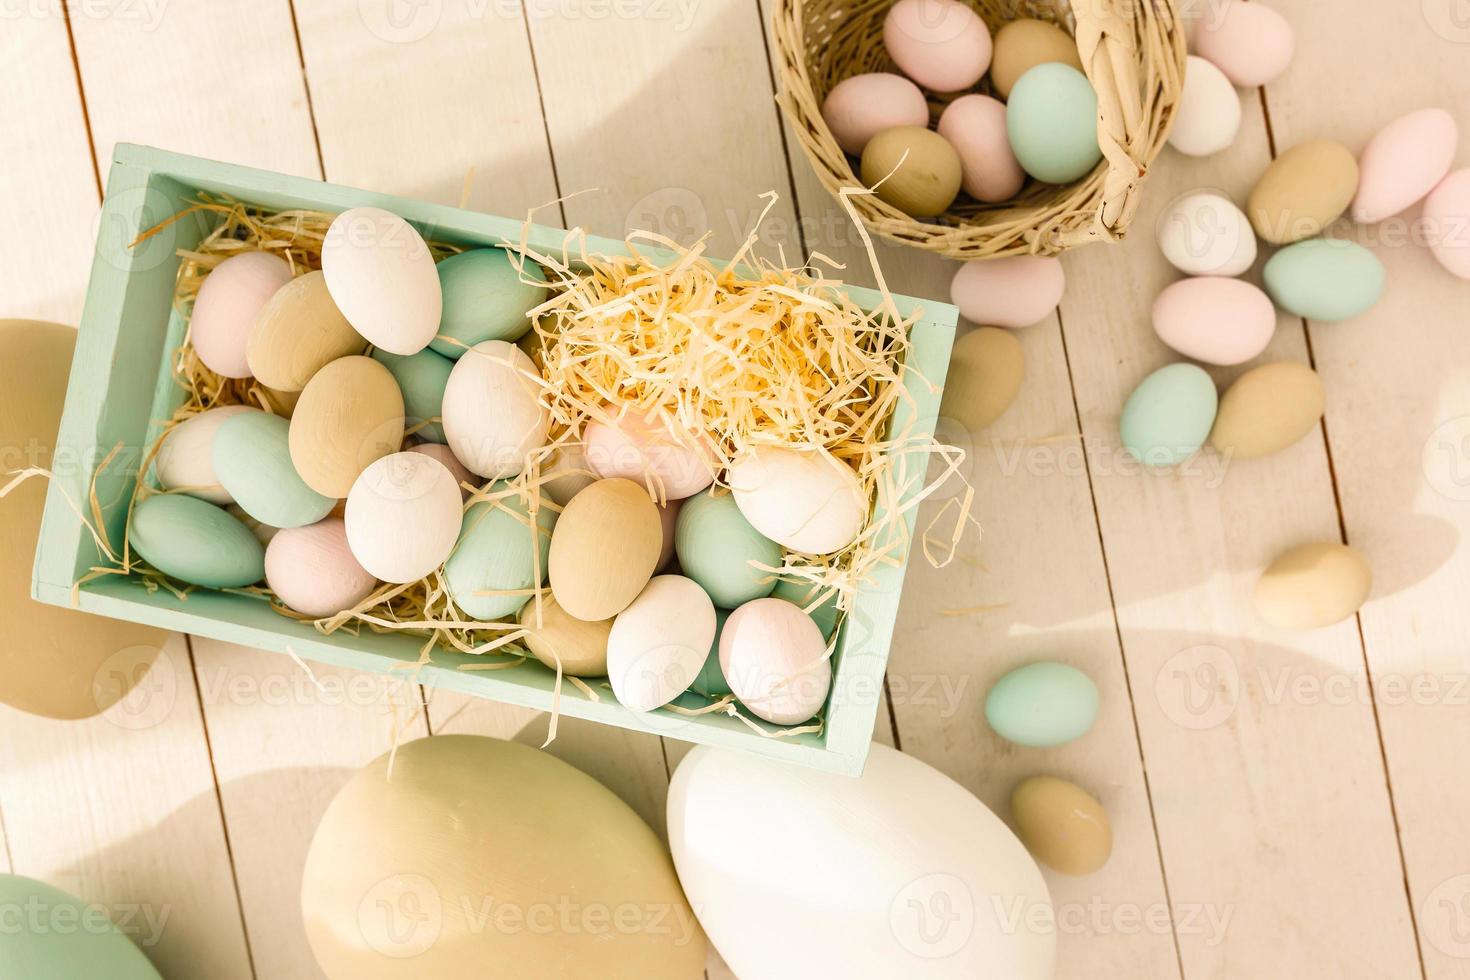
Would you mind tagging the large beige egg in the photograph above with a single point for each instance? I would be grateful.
(350, 414)
(1267, 409)
(480, 858)
(55, 662)
(1313, 586)
(774, 658)
(553, 635)
(185, 458)
(985, 374)
(299, 332)
(382, 277)
(403, 516)
(659, 643)
(807, 501)
(604, 549)
(493, 416)
(229, 298)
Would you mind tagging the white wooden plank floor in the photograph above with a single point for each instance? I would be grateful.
(1285, 805)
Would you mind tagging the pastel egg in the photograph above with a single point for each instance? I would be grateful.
(975, 125)
(914, 169)
(445, 455)
(1251, 43)
(230, 297)
(985, 373)
(252, 456)
(1324, 279)
(185, 458)
(1204, 234)
(1051, 120)
(1403, 162)
(941, 44)
(1447, 214)
(381, 275)
(1303, 191)
(671, 462)
(668, 521)
(1042, 704)
(553, 635)
(719, 549)
(312, 569)
(710, 682)
(1014, 292)
(1168, 417)
(501, 555)
(1062, 825)
(1215, 319)
(1267, 409)
(806, 501)
(485, 298)
(350, 414)
(605, 549)
(422, 378)
(659, 642)
(568, 472)
(403, 517)
(1313, 586)
(492, 413)
(1025, 43)
(299, 332)
(820, 604)
(194, 541)
(862, 106)
(1207, 117)
(774, 658)
(53, 936)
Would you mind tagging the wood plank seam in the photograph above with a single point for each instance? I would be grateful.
(76, 67)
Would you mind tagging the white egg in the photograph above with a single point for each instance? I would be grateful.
(659, 643)
(1204, 234)
(186, 456)
(1208, 114)
(806, 501)
(774, 658)
(403, 516)
(492, 411)
(381, 275)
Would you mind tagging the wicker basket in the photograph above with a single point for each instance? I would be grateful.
(1132, 51)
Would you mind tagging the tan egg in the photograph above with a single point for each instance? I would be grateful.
(1267, 409)
(581, 646)
(486, 858)
(1022, 45)
(1313, 586)
(350, 414)
(297, 333)
(1303, 191)
(55, 662)
(927, 181)
(604, 549)
(985, 373)
(1061, 824)
(282, 403)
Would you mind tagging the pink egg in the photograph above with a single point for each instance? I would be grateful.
(668, 515)
(1215, 319)
(861, 107)
(1403, 162)
(1012, 292)
(646, 452)
(1251, 43)
(941, 44)
(975, 126)
(774, 658)
(311, 569)
(445, 455)
(228, 301)
(1447, 216)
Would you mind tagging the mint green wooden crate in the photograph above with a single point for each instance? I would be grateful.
(120, 391)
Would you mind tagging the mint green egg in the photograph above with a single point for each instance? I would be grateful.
(1169, 415)
(711, 679)
(1042, 704)
(804, 594)
(485, 299)
(194, 541)
(1051, 119)
(421, 377)
(1324, 279)
(46, 933)
(496, 553)
(716, 546)
(251, 455)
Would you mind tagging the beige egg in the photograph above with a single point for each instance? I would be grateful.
(1267, 409)
(1313, 586)
(299, 332)
(581, 646)
(985, 373)
(1303, 191)
(928, 179)
(604, 549)
(282, 403)
(1022, 45)
(350, 413)
(1061, 824)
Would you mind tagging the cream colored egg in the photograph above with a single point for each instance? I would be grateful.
(299, 332)
(1205, 234)
(1313, 586)
(312, 569)
(492, 413)
(350, 413)
(604, 549)
(553, 635)
(671, 462)
(774, 658)
(381, 275)
(185, 459)
(1268, 409)
(659, 643)
(403, 516)
(1207, 117)
(1061, 824)
(229, 298)
(985, 373)
(806, 501)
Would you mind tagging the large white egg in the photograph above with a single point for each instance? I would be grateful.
(381, 275)
(1205, 234)
(403, 516)
(897, 873)
(185, 459)
(659, 643)
(806, 501)
(492, 412)
(774, 658)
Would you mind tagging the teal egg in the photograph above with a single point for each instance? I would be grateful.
(194, 541)
(1324, 279)
(716, 545)
(804, 594)
(1042, 704)
(1169, 415)
(485, 299)
(46, 933)
(711, 680)
(495, 552)
(421, 377)
(1051, 120)
(251, 455)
